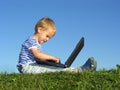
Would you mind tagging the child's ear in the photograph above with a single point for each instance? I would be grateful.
(39, 29)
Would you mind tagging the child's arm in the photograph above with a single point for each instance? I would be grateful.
(43, 56)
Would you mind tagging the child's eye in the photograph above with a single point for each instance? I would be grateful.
(48, 36)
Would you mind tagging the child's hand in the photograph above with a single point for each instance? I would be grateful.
(57, 60)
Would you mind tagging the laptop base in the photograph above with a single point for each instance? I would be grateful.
(50, 63)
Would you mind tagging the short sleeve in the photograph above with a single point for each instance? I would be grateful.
(31, 43)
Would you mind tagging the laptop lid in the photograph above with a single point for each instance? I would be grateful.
(75, 52)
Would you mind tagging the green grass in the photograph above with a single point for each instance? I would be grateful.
(98, 80)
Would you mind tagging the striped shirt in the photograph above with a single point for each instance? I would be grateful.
(26, 54)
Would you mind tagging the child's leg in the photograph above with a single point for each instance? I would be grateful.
(37, 68)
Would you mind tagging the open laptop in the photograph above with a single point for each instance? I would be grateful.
(70, 59)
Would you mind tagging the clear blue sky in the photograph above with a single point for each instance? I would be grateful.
(98, 21)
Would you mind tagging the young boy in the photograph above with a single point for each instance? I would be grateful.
(31, 49)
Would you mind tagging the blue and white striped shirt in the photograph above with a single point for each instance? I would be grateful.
(26, 54)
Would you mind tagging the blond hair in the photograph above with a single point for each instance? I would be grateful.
(45, 23)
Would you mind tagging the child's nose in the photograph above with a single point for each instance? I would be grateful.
(47, 39)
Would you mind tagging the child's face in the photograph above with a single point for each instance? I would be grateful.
(45, 35)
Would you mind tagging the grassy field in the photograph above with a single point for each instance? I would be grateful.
(98, 80)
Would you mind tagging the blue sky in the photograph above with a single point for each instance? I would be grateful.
(98, 21)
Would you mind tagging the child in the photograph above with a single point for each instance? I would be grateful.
(44, 30)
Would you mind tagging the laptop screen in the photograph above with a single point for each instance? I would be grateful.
(75, 52)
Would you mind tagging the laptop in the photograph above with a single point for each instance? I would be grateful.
(70, 59)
